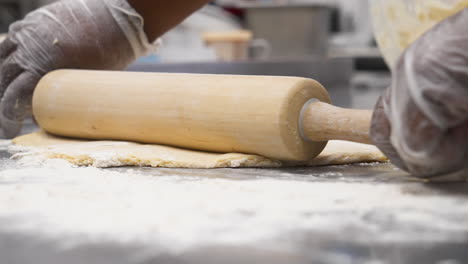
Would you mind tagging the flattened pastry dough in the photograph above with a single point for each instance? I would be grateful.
(117, 153)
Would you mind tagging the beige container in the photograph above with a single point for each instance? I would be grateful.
(229, 45)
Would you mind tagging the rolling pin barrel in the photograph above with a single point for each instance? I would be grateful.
(218, 113)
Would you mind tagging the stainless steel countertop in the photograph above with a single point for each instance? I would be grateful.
(325, 246)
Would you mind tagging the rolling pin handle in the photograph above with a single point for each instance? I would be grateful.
(322, 122)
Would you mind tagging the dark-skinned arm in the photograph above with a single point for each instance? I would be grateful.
(162, 15)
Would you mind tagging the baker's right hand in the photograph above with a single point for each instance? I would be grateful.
(421, 122)
(87, 34)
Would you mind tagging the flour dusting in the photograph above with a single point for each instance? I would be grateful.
(85, 204)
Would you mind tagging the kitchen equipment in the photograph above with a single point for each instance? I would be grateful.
(235, 45)
(398, 23)
(277, 117)
(354, 24)
(292, 30)
(229, 45)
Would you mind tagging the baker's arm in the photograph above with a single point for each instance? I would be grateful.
(162, 15)
(87, 34)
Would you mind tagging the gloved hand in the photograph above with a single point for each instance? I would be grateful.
(421, 122)
(86, 34)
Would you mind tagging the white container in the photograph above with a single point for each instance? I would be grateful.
(398, 23)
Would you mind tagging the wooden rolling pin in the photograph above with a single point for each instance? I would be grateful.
(286, 118)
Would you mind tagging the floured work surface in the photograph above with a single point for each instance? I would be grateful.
(364, 213)
(117, 153)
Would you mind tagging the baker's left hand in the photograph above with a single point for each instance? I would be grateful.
(86, 34)
(421, 122)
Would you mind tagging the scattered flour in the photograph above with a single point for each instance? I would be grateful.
(57, 200)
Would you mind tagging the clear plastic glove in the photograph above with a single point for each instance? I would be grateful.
(85, 34)
(421, 122)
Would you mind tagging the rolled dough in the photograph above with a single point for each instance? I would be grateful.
(118, 153)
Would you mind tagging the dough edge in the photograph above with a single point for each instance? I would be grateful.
(104, 154)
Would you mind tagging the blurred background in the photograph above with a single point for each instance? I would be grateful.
(328, 40)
